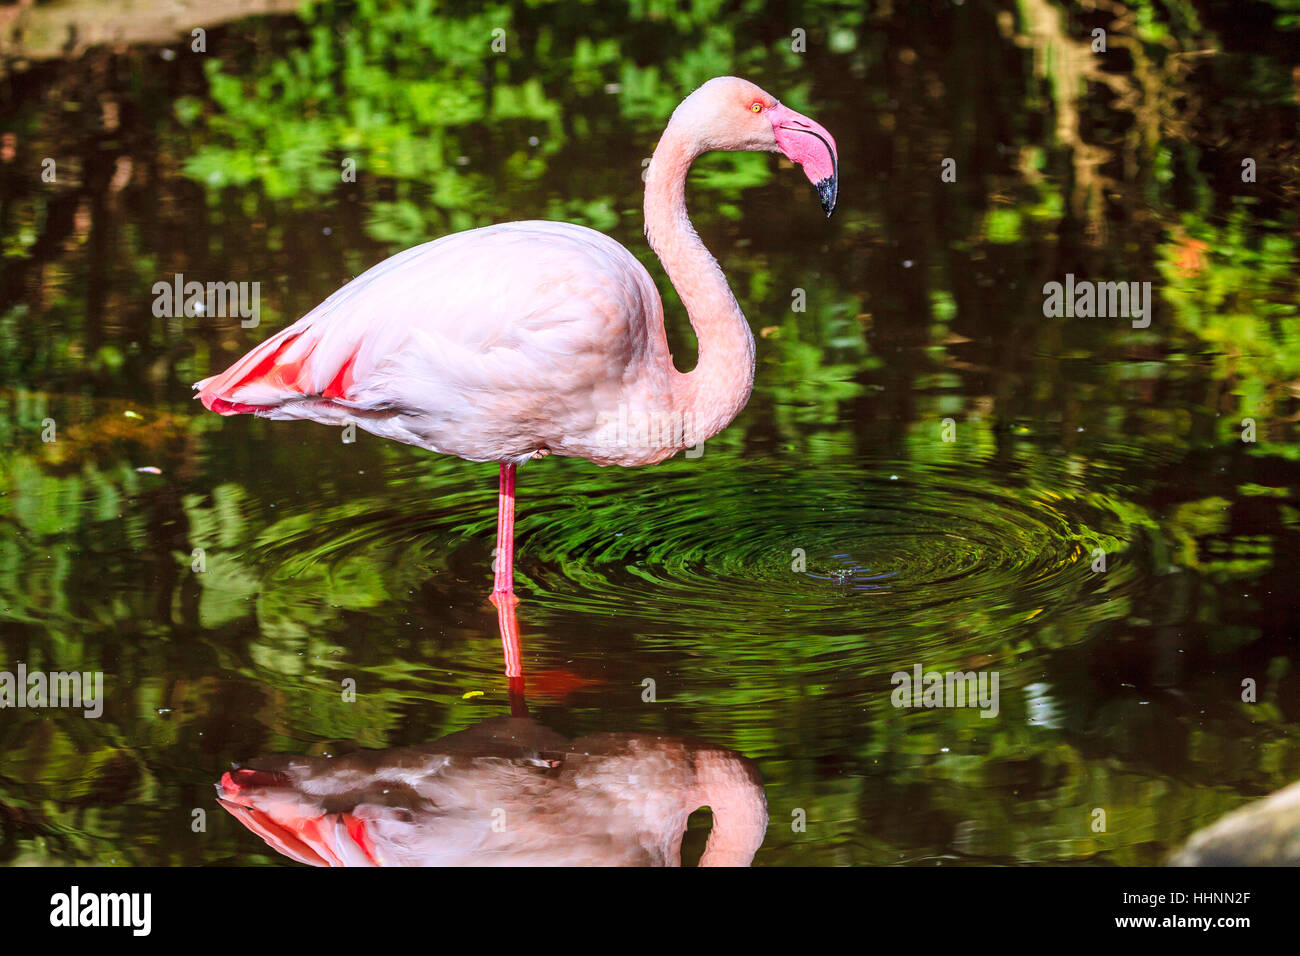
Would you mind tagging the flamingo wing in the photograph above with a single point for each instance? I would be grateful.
(486, 344)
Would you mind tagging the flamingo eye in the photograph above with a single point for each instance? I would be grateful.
(756, 108)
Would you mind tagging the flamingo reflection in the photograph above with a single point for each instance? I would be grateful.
(505, 792)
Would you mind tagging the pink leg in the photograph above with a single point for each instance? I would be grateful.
(503, 589)
(511, 650)
(505, 550)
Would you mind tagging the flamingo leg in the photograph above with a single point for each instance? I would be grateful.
(503, 589)
(512, 650)
(505, 550)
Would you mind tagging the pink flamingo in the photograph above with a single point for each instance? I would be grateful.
(524, 339)
(507, 792)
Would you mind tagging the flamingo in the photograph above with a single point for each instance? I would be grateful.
(526, 339)
(506, 792)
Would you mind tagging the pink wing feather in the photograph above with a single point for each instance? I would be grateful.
(488, 344)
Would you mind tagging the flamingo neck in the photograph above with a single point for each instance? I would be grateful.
(719, 386)
(731, 789)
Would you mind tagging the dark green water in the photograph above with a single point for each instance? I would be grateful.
(770, 588)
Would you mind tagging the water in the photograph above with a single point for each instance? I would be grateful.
(767, 591)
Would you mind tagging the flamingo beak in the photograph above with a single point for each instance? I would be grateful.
(812, 147)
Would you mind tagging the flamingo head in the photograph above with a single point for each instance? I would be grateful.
(731, 113)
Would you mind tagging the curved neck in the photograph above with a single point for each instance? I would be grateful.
(730, 787)
(719, 386)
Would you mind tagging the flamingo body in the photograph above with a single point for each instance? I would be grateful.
(492, 345)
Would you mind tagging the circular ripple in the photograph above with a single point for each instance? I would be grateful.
(849, 551)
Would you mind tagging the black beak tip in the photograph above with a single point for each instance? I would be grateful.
(827, 191)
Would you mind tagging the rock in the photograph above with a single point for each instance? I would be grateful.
(1264, 833)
